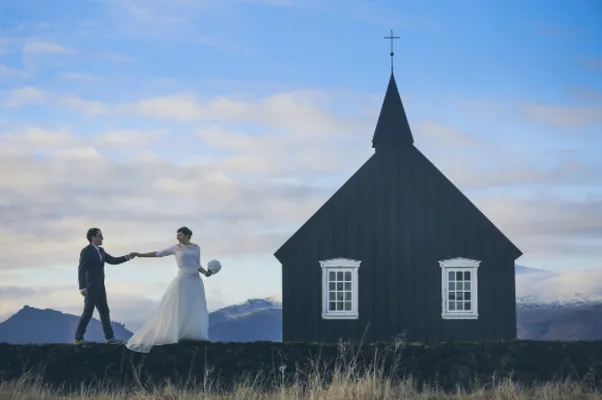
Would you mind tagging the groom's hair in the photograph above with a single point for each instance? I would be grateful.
(91, 233)
(185, 231)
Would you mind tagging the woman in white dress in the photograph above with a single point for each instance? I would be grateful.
(182, 312)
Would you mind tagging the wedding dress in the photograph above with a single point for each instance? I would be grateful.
(182, 312)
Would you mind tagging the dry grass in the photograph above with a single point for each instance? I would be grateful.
(343, 387)
(347, 382)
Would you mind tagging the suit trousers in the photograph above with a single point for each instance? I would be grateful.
(95, 298)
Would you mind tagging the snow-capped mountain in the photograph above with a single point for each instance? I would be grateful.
(247, 308)
(551, 305)
(537, 288)
(558, 305)
(255, 319)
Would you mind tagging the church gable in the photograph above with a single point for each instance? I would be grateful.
(325, 211)
(447, 190)
(377, 184)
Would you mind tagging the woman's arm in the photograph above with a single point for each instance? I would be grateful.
(204, 272)
(162, 253)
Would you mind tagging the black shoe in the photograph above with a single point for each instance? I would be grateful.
(113, 341)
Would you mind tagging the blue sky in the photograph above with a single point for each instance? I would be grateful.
(240, 118)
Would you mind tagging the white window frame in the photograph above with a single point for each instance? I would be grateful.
(340, 265)
(460, 264)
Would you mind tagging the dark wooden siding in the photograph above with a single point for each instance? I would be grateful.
(400, 216)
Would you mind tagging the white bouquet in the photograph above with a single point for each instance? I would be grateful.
(214, 266)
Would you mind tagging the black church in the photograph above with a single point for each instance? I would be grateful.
(398, 249)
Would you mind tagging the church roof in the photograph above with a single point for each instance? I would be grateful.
(392, 129)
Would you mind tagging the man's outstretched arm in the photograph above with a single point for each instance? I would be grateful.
(118, 260)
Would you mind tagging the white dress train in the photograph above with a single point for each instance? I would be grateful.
(182, 312)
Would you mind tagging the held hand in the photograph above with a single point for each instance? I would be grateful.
(83, 292)
(133, 255)
(209, 273)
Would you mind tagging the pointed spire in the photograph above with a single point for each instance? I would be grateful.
(392, 129)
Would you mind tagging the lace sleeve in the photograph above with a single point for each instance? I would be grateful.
(167, 252)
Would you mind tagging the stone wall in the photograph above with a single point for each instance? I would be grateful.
(448, 364)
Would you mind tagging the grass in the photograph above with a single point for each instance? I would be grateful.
(342, 387)
(345, 380)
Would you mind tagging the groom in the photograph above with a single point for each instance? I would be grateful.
(91, 274)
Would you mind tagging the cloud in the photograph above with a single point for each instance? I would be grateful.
(244, 172)
(113, 57)
(30, 95)
(25, 96)
(305, 107)
(182, 20)
(444, 136)
(80, 77)
(57, 143)
(569, 116)
(563, 285)
(129, 137)
(269, 118)
(4, 46)
(56, 184)
(8, 72)
(519, 170)
(548, 226)
(39, 47)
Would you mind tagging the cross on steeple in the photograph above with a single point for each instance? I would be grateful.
(392, 52)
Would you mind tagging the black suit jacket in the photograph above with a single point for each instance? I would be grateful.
(91, 270)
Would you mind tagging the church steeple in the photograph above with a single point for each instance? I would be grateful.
(392, 129)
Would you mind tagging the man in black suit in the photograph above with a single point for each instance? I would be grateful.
(91, 273)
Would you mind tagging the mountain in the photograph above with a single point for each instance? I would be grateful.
(543, 313)
(547, 308)
(256, 319)
(33, 325)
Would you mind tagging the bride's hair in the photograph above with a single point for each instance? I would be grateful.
(185, 231)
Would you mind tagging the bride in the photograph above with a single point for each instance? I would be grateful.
(182, 312)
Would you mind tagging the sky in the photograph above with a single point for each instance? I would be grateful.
(240, 118)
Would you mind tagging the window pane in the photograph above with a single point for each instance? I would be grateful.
(467, 295)
(347, 285)
(451, 296)
(339, 285)
(332, 295)
(332, 286)
(467, 305)
(451, 276)
(339, 306)
(348, 276)
(452, 286)
(332, 276)
(459, 295)
(340, 295)
(466, 275)
(459, 285)
(466, 285)
(452, 305)
(347, 306)
(340, 276)
(458, 275)
(332, 306)
(347, 296)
